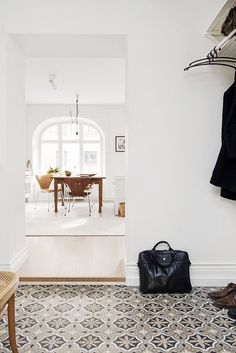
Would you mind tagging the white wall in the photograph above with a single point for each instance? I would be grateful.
(12, 250)
(4, 239)
(112, 119)
(181, 140)
(174, 120)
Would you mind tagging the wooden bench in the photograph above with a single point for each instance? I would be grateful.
(8, 286)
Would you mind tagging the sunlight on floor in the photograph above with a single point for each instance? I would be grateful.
(74, 224)
(41, 222)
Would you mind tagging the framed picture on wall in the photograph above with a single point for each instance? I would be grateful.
(120, 143)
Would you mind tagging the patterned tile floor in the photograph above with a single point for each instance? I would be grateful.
(117, 319)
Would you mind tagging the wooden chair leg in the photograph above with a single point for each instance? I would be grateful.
(11, 324)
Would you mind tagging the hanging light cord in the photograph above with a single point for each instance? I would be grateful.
(75, 120)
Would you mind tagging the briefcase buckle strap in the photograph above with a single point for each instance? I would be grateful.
(164, 259)
(162, 242)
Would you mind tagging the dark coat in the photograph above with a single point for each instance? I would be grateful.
(224, 173)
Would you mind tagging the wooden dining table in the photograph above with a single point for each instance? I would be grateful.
(60, 180)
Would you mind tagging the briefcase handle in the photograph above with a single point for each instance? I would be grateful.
(160, 242)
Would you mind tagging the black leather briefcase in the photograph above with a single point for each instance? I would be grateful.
(164, 271)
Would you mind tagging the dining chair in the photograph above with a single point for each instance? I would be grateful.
(92, 197)
(44, 183)
(8, 286)
(77, 188)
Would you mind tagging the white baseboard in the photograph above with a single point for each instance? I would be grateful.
(16, 262)
(209, 275)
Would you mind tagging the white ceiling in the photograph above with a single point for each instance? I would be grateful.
(97, 80)
(92, 65)
(71, 45)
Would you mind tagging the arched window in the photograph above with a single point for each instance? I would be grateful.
(58, 145)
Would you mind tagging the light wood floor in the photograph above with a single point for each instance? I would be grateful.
(74, 259)
(76, 223)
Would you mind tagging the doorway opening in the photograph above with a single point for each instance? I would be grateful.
(80, 237)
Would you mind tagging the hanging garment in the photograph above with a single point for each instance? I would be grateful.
(224, 173)
(229, 23)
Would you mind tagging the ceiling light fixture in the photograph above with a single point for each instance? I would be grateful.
(75, 119)
(51, 80)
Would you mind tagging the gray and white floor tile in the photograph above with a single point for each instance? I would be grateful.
(117, 319)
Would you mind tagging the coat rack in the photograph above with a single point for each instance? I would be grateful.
(212, 57)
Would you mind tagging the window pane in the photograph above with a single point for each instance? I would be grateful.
(92, 158)
(50, 133)
(70, 157)
(69, 132)
(69, 153)
(90, 133)
(49, 156)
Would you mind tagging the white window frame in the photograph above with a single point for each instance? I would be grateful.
(38, 141)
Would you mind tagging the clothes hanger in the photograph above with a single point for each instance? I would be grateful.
(221, 61)
(212, 57)
(221, 58)
(210, 63)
